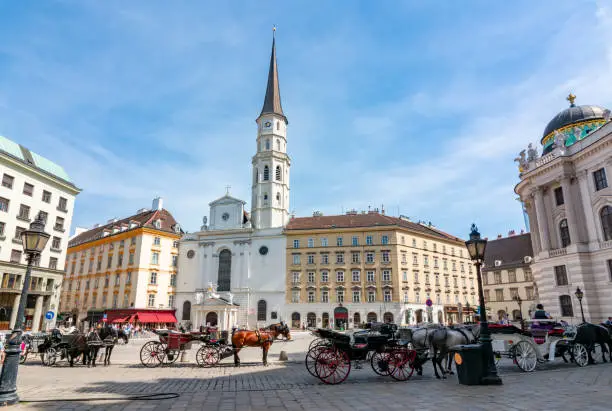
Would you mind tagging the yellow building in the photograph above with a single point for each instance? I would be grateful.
(345, 270)
(126, 265)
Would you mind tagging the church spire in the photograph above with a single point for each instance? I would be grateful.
(272, 101)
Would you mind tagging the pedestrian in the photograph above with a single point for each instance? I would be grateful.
(2, 353)
(540, 313)
(609, 321)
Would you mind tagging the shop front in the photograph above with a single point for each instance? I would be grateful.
(341, 317)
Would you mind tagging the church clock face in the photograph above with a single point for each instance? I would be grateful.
(263, 250)
(267, 124)
(225, 216)
(190, 254)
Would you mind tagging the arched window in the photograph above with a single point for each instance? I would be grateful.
(186, 311)
(267, 144)
(277, 145)
(311, 320)
(516, 315)
(606, 222)
(565, 301)
(564, 233)
(278, 125)
(371, 317)
(356, 319)
(211, 319)
(295, 320)
(262, 308)
(225, 271)
(278, 197)
(266, 173)
(387, 317)
(325, 320)
(279, 174)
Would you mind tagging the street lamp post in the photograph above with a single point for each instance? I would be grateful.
(519, 301)
(476, 248)
(34, 241)
(579, 295)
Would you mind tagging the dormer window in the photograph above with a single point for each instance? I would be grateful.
(157, 224)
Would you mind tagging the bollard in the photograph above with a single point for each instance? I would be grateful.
(283, 356)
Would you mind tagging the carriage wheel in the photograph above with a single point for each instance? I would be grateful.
(311, 358)
(332, 366)
(380, 362)
(316, 342)
(525, 356)
(150, 355)
(171, 356)
(580, 355)
(402, 364)
(49, 356)
(208, 356)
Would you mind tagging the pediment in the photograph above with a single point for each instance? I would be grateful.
(216, 302)
(225, 200)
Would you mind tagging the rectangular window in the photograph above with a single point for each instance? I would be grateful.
(324, 276)
(296, 278)
(151, 300)
(175, 261)
(28, 189)
(355, 240)
(106, 281)
(511, 276)
(528, 275)
(355, 257)
(153, 278)
(435, 262)
(4, 204)
(497, 277)
(44, 216)
(18, 231)
(404, 275)
(46, 196)
(133, 241)
(370, 277)
(356, 296)
(415, 259)
(130, 259)
(369, 240)
(296, 259)
(426, 260)
(324, 296)
(339, 258)
(513, 293)
(416, 276)
(324, 242)
(387, 296)
(59, 224)
(311, 277)
(2, 226)
(356, 276)
(120, 260)
(427, 279)
(600, 179)
(559, 196)
(99, 264)
(404, 258)
(386, 256)
(499, 295)
(7, 181)
(324, 259)
(126, 300)
(485, 278)
(63, 204)
(117, 279)
(310, 242)
(561, 275)
(296, 243)
(311, 259)
(609, 270)
(369, 257)
(386, 275)
(53, 263)
(90, 268)
(529, 293)
(57, 243)
(156, 241)
(384, 240)
(371, 296)
(311, 296)
(109, 261)
(566, 306)
(486, 295)
(340, 296)
(339, 241)
(24, 212)
(340, 276)
(154, 258)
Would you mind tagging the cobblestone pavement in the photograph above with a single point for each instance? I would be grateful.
(288, 386)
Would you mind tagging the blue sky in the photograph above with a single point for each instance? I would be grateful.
(417, 105)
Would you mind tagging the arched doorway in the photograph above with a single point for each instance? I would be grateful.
(356, 320)
(501, 315)
(440, 317)
(325, 319)
(295, 320)
(186, 316)
(516, 315)
(262, 307)
(419, 316)
(311, 320)
(224, 277)
(387, 318)
(211, 319)
(340, 317)
(371, 317)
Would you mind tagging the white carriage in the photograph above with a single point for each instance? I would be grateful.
(541, 341)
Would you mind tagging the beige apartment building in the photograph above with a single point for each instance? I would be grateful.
(127, 265)
(345, 270)
(506, 274)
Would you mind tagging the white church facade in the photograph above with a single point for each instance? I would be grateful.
(232, 271)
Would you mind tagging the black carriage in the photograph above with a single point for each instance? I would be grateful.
(30, 344)
(331, 357)
(57, 346)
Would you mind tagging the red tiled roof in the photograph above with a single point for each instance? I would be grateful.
(364, 220)
(144, 219)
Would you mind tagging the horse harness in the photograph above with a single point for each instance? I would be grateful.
(467, 339)
(261, 339)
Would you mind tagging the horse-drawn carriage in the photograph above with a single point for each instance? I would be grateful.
(331, 355)
(542, 341)
(172, 344)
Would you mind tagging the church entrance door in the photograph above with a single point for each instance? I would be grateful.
(211, 319)
(340, 317)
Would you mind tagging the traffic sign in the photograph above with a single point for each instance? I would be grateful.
(429, 303)
(49, 315)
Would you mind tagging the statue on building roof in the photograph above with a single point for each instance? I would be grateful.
(522, 161)
(532, 153)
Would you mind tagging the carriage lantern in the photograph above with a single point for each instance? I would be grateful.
(34, 241)
(476, 248)
(579, 295)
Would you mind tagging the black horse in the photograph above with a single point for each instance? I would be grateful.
(70, 346)
(109, 337)
(590, 335)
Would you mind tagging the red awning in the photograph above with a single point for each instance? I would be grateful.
(145, 317)
(166, 318)
(120, 320)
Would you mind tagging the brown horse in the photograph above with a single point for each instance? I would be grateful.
(259, 338)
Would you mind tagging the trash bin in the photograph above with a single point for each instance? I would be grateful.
(469, 360)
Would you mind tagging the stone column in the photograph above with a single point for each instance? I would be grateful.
(14, 311)
(542, 221)
(37, 314)
(570, 214)
(587, 206)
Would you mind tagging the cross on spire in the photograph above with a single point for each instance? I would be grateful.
(272, 100)
(571, 98)
(227, 189)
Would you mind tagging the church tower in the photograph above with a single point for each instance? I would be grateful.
(270, 192)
